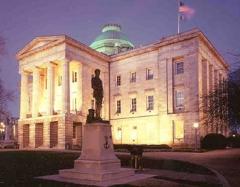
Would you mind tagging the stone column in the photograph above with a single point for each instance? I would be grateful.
(24, 96)
(208, 79)
(35, 92)
(170, 83)
(65, 87)
(7, 132)
(79, 88)
(50, 88)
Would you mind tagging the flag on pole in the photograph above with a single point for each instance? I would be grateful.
(186, 11)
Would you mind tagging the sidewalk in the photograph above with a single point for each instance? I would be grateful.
(226, 162)
(167, 178)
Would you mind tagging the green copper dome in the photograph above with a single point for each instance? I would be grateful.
(111, 40)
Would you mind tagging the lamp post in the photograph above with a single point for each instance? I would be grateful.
(2, 130)
(195, 126)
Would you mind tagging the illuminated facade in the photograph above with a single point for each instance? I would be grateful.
(152, 94)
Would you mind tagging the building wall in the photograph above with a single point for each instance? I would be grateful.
(211, 73)
(156, 126)
(186, 69)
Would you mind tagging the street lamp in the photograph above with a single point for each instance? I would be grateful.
(195, 126)
(2, 130)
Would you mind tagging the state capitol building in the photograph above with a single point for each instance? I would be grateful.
(152, 94)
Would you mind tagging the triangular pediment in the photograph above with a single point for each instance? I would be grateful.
(40, 43)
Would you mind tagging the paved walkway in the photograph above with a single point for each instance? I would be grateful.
(226, 162)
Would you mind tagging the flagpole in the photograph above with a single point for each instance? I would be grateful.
(178, 24)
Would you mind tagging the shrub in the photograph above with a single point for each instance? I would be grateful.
(214, 141)
(129, 147)
(233, 141)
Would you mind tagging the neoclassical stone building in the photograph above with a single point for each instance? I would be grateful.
(152, 94)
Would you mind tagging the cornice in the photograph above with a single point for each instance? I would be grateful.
(59, 40)
(188, 35)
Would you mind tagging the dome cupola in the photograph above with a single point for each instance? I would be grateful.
(111, 40)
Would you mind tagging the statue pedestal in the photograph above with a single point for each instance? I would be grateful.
(97, 161)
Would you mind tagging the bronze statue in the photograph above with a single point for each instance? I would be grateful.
(97, 93)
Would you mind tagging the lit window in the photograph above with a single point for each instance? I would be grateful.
(118, 80)
(59, 80)
(149, 74)
(150, 102)
(74, 76)
(178, 129)
(133, 77)
(179, 67)
(133, 105)
(119, 133)
(118, 106)
(74, 104)
(179, 99)
(45, 82)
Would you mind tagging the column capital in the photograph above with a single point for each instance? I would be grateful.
(65, 60)
(51, 64)
(35, 69)
(23, 72)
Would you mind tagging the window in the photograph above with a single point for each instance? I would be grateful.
(133, 77)
(150, 102)
(178, 129)
(179, 99)
(118, 80)
(74, 131)
(118, 106)
(74, 76)
(46, 82)
(179, 67)
(133, 105)
(74, 104)
(59, 80)
(149, 74)
(119, 133)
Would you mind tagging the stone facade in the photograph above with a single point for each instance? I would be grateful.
(152, 94)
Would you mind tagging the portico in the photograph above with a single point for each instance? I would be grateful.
(52, 109)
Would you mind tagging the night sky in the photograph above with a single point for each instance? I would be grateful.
(144, 21)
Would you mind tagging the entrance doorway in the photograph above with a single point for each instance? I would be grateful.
(77, 134)
(53, 134)
(38, 134)
(25, 135)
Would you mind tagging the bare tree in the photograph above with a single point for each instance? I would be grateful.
(5, 95)
(222, 107)
(2, 46)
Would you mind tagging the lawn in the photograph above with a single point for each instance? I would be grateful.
(18, 168)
